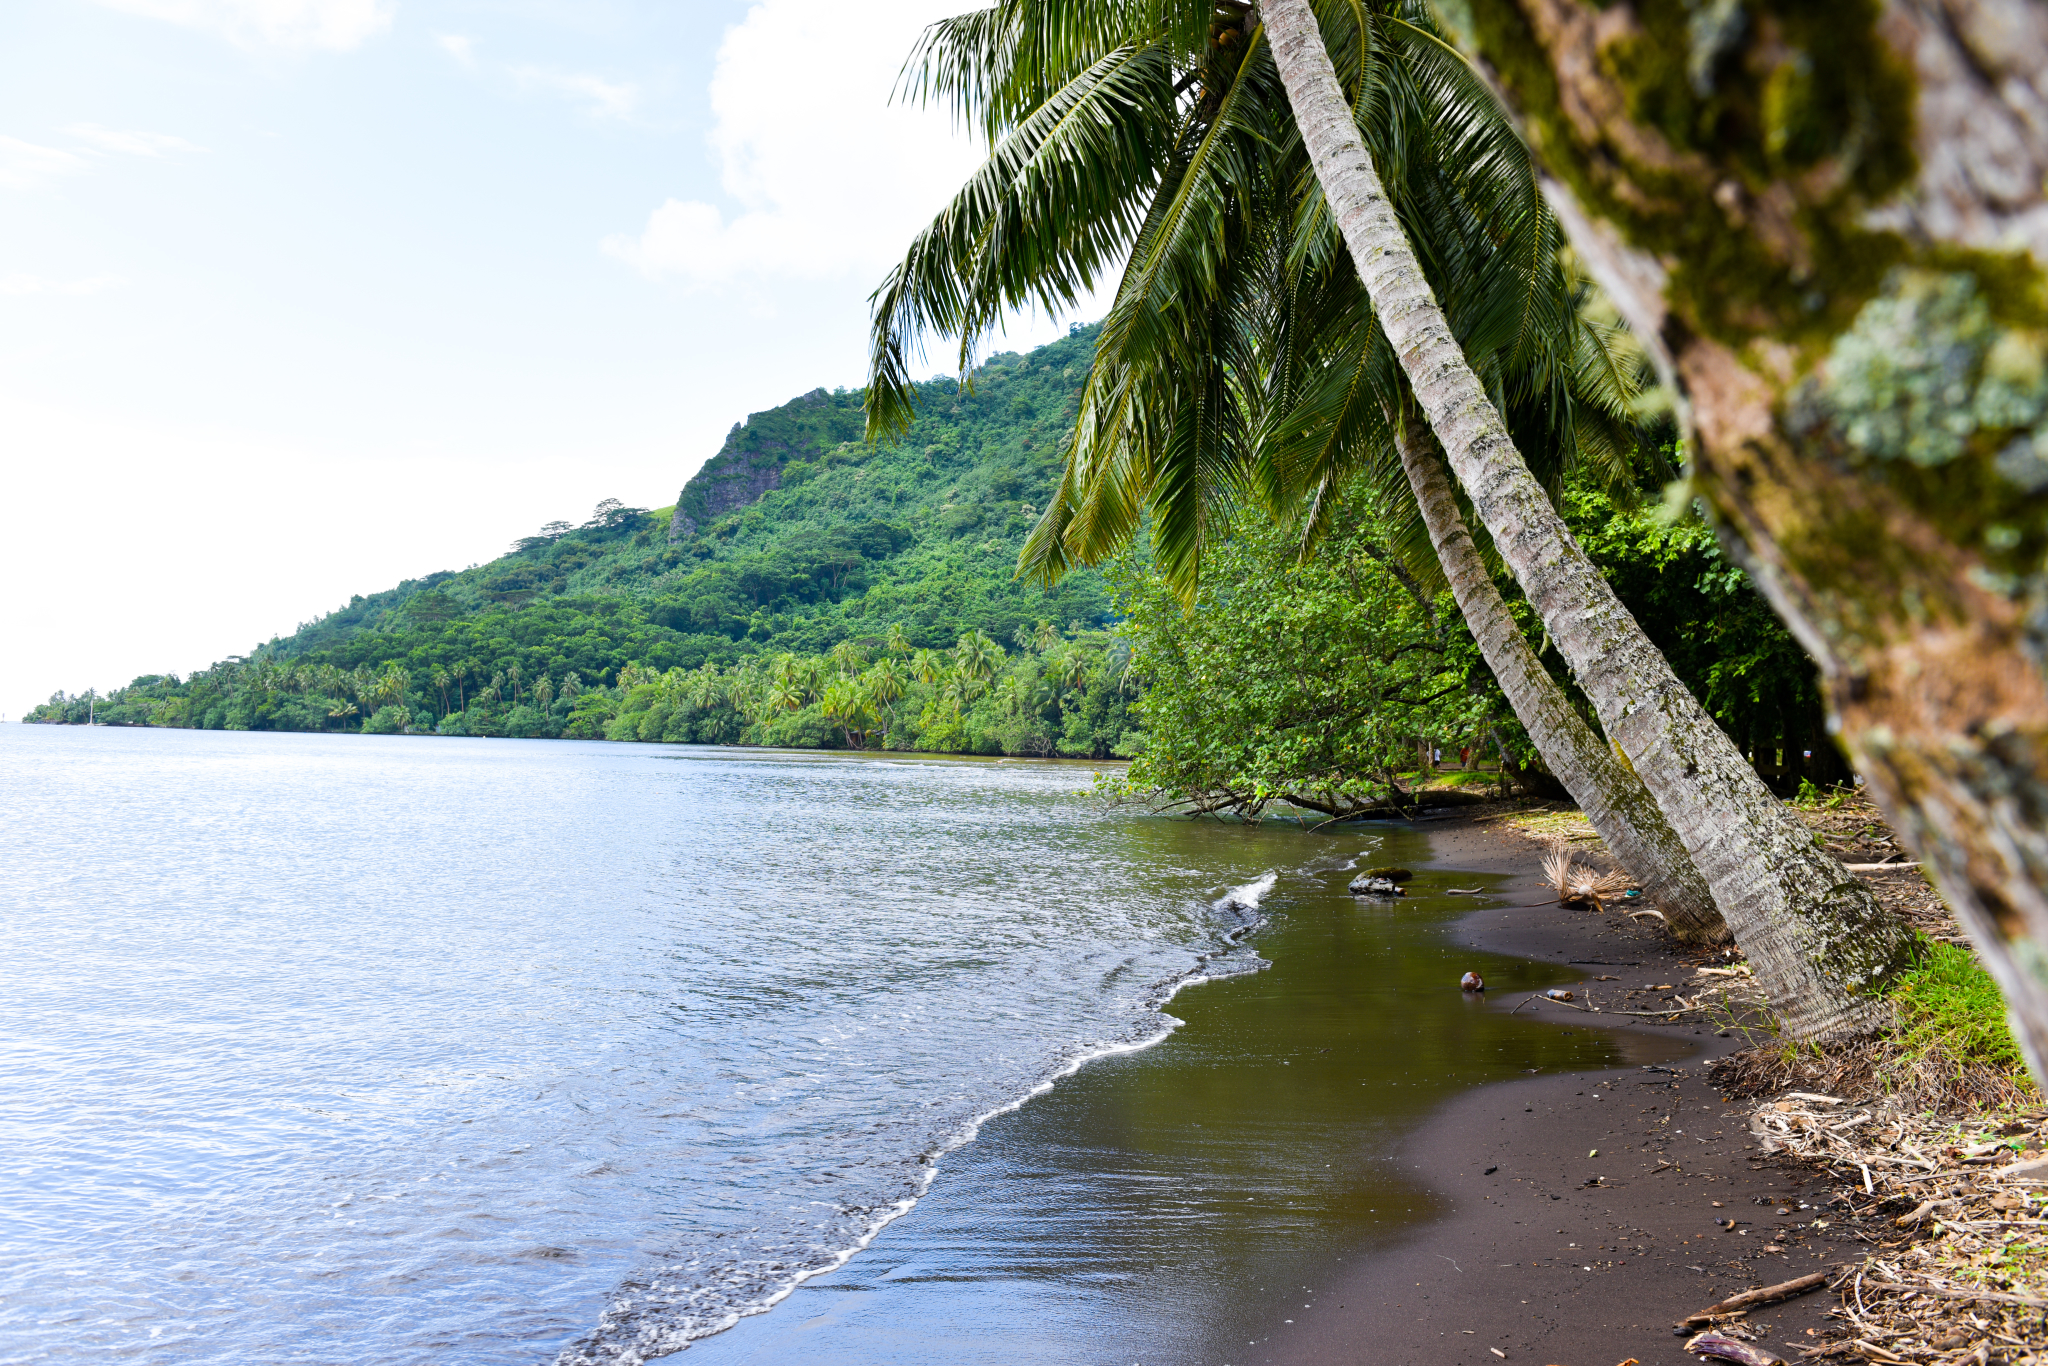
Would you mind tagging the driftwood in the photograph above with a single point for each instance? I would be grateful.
(1749, 1299)
(1728, 1349)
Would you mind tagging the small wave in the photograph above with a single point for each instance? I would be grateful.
(668, 1306)
(1250, 895)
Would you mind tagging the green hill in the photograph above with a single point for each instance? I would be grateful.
(795, 538)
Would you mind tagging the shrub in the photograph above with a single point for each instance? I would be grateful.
(391, 720)
(525, 722)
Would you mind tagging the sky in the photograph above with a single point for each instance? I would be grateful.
(300, 298)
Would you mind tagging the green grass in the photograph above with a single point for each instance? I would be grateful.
(1948, 1003)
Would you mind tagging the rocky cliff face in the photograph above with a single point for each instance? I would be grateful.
(758, 450)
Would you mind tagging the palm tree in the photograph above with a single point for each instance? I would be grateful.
(512, 677)
(572, 684)
(1073, 671)
(885, 683)
(1045, 636)
(1101, 152)
(1818, 937)
(847, 702)
(897, 643)
(976, 657)
(362, 685)
(928, 666)
(460, 672)
(544, 692)
(1268, 373)
(848, 657)
(707, 687)
(395, 683)
(440, 680)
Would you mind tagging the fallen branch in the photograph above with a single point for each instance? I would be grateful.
(1749, 1299)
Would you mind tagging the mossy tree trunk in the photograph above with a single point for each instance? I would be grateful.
(1606, 789)
(1817, 937)
(1829, 222)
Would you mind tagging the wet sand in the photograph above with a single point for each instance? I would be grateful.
(1527, 1262)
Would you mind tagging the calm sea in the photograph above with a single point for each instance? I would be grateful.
(385, 1050)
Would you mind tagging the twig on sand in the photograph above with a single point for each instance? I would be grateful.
(1749, 1299)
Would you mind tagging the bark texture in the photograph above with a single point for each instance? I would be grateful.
(1817, 938)
(1606, 789)
(1829, 222)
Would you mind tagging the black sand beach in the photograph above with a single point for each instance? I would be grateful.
(1531, 1262)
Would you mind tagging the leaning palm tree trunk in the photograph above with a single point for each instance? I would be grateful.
(1816, 937)
(1613, 798)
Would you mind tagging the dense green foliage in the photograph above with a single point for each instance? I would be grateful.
(797, 538)
(1320, 681)
(1327, 683)
(1315, 683)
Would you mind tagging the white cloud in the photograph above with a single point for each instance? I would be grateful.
(132, 143)
(333, 25)
(24, 165)
(460, 48)
(607, 99)
(829, 177)
(41, 284)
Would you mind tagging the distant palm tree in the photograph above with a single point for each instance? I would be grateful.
(1073, 670)
(897, 643)
(460, 672)
(885, 683)
(512, 677)
(847, 703)
(848, 657)
(707, 687)
(928, 666)
(391, 686)
(572, 684)
(1046, 636)
(960, 693)
(976, 656)
(544, 692)
(440, 680)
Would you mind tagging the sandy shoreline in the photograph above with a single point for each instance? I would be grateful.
(1532, 1263)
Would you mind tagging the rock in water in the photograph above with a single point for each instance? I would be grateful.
(1368, 885)
(1471, 981)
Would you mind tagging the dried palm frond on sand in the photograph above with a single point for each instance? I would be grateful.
(1580, 884)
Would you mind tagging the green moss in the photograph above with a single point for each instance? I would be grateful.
(1949, 405)
(1948, 1001)
(1806, 98)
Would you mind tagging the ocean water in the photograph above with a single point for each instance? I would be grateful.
(388, 1050)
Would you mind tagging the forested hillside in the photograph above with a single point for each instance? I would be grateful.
(795, 538)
